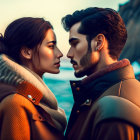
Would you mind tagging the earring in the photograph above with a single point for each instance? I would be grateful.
(97, 48)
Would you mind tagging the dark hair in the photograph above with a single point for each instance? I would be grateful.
(26, 31)
(100, 20)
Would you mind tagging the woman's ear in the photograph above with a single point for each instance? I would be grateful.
(100, 40)
(26, 52)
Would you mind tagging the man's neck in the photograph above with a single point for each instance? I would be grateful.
(105, 62)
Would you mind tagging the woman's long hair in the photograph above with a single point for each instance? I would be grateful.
(24, 32)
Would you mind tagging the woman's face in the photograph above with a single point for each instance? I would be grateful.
(47, 57)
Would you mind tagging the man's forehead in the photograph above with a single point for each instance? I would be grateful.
(75, 27)
(74, 34)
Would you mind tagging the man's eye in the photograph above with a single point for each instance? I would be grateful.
(74, 44)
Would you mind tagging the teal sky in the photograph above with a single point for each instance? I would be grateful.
(52, 10)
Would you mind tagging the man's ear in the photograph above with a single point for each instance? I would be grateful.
(26, 52)
(100, 40)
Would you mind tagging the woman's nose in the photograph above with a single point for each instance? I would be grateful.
(60, 54)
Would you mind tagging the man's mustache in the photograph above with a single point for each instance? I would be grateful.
(73, 62)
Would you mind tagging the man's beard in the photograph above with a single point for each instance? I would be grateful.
(87, 64)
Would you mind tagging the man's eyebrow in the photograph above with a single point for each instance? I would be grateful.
(72, 39)
(54, 42)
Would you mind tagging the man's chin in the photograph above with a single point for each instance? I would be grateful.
(86, 71)
(80, 73)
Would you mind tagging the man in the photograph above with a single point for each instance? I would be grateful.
(107, 101)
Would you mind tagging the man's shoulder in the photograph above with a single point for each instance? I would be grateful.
(114, 107)
(126, 85)
(128, 89)
(132, 82)
(130, 86)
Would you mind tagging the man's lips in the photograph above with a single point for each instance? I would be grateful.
(73, 62)
(75, 66)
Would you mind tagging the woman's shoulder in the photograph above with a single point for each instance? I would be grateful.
(16, 101)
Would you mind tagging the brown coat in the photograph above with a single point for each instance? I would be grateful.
(21, 119)
(111, 108)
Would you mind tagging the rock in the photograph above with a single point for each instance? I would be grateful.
(130, 13)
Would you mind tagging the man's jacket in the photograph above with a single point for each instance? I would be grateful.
(107, 105)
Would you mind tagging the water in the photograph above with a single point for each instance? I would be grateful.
(60, 86)
(136, 67)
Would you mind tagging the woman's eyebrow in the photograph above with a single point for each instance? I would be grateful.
(54, 42)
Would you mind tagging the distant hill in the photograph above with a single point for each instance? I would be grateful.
(130, 13)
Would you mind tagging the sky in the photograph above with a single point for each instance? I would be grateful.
(52, 10)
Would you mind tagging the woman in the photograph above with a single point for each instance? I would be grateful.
(28, 109)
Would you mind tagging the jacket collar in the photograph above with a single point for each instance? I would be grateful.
(94, 85)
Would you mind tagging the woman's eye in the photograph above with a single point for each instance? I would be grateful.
(51, 46)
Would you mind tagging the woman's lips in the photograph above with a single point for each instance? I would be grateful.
(57, 64)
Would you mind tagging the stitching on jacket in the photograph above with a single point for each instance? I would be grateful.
(120, 88)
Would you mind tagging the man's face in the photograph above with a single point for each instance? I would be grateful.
(80, 57)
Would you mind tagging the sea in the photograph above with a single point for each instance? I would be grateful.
(60, 86)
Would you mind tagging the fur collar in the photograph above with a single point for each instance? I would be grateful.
(107, 69)
(16, 75)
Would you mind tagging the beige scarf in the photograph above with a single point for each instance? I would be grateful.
(13, 74)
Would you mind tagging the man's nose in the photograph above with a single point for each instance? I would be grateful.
(70, 53)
